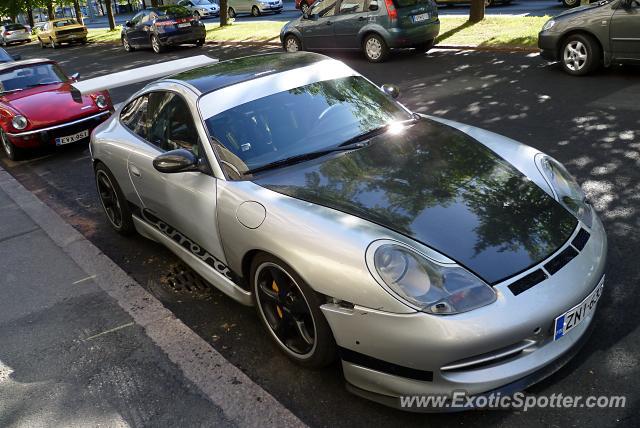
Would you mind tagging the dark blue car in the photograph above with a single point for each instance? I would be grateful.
(160, 27)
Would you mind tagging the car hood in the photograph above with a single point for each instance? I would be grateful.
(442, 188)
(49, 105)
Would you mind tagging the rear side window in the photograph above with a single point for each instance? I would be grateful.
(134, 116)
(352, 6)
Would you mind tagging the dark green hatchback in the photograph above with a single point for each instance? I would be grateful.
(373, 26)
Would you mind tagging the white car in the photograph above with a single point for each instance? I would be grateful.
(14, 33)
(201, 8)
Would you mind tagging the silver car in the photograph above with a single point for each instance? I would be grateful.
(14, 33)
(254, 7)
(427, 255)
(201, 8)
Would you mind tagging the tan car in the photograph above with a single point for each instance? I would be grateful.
(59, 31)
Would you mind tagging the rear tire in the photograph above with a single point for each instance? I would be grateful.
(155, 44)
(255, 11)
(580, 54)
(199, 43)
(53, 44)
(290, 312)
(113, 202)
(231, 12)
(14, 153)
(375, 48)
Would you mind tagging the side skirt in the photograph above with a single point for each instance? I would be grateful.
(218, 280)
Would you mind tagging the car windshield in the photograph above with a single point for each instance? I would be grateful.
(201, 2)
(302, 120)
(30, 76)
(65, 23)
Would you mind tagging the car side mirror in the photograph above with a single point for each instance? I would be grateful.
(392, 90)
(128, 24)
(373, 6)
(179, 160)
(16, 57)
(75, 77)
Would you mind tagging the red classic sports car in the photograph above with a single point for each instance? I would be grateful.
(38, 107)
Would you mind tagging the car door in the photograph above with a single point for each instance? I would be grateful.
(317, 30)
(134, 31)
(351, 17)
(44, 34)
(625, 31)
(184, 203)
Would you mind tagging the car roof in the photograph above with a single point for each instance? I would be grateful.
(231, 72)
(18, 64)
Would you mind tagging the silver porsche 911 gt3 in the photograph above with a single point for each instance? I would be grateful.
(429, 256)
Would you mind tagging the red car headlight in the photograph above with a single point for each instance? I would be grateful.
(101, 101)
(19, 122)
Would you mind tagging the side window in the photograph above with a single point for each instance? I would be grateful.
(172, 126)
(352, 6)
(136, 19)
(134, 116)
(324, 8)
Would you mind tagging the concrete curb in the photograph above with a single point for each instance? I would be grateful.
(242, 401)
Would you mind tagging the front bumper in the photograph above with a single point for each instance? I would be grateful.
(46, 136)
(391, 355)
(549, 45)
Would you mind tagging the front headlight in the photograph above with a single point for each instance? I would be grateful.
(19, 122)
(101, 101)
(424, 284)
(550, 23)
(567, 191)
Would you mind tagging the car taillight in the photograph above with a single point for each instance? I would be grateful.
(391, 10)
(165, 23)
(6, 33)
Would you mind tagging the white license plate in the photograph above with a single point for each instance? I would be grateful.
(421, 17)
(574, 316)
(186, 24)
(60, 141)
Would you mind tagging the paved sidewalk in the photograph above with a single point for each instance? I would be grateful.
(81, 344)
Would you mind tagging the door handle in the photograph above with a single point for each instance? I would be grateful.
(361, 18)
(134, 170)
(329, 22)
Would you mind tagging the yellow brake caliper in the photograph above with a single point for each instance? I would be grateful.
(275, 288)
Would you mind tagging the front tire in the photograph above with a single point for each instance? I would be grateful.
(290, 311)
(375, 48)
(199, 43)
(231, 12)
(14, 153)
(113, 202)
(126, 45)
(54, 45)
(570, 3)
(155, 44)
(42, 45)
(292, 43)
(255, 11)
(580, 54)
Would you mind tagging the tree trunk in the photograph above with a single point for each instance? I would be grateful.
(112, 21)
(224, 9)
(30, 15)
(476, 14)
(154, 3)
(76, 7)
(50, 10)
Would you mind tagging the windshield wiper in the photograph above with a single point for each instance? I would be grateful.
(305, 157)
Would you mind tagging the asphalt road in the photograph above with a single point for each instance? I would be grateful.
(592, 124)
